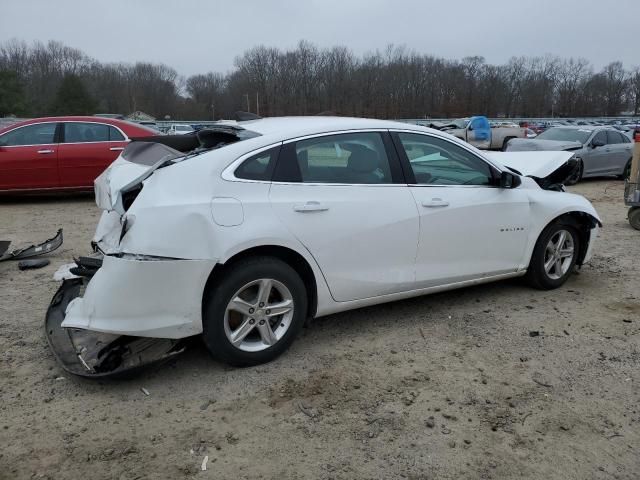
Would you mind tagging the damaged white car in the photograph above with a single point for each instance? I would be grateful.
(241, 232)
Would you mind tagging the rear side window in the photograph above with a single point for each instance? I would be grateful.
(38, 134)
(258, 167)
(350, 158)
(115, 135)
(77, 132)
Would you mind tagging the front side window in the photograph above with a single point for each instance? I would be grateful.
(78, 132)
(350, 158)
(259, 166)
(435, 161)
(600, 137)
(38, 134)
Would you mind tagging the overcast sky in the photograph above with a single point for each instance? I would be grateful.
(196, 36)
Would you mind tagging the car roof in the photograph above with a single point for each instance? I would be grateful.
(130, 128)
(591, 128)
(291, 127)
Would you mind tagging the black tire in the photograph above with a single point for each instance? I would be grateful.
(634, 217)
(505, 143)
(220, 293)
(577, 175)
(626, 173)
(536, 275)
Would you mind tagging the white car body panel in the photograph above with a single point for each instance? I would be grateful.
(376, 257)
(498, 242)
(376, 243)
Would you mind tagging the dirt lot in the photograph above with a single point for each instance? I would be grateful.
(446, 386)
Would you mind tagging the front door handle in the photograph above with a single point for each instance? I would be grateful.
(43, 152)
(311, 206)
(435, 203)
(116, 149)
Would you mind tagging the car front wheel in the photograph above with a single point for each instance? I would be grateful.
(254, 313)
(554, 256)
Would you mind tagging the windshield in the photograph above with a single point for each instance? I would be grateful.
(566, 135)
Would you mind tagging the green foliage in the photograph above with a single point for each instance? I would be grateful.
(12, 99)
(72, 98)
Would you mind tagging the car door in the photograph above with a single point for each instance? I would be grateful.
(469, 227)
(29, 157)
(344, 198)
(597, 158)
(620, 151)
(86, 151)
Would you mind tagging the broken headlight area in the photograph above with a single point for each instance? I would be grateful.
(94, 354)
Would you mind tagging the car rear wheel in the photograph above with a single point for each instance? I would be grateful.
(576, 176)
(554, 256)
(254, 313)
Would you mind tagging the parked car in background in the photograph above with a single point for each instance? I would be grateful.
(600, 150)
(61, 153)
(480, 133)
(180, 129)
(268, 207)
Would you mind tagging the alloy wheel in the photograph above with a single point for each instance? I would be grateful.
(258, 315)
(558, 255)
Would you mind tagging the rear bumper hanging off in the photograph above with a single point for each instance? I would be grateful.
(93, 354)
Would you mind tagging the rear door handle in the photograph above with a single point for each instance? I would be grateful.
(42, 152)
(435, 203)
(116, 149)
(311, 206)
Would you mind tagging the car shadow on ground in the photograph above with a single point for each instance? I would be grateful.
(34, 198)
(427, 309)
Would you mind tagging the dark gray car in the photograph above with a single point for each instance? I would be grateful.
(599, 150)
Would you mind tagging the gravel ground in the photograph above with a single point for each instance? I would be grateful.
(448, 386)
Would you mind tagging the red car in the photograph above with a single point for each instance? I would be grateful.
(61, 153)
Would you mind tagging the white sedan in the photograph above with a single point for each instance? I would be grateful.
(269, 222)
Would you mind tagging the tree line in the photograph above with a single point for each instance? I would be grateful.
(40, 79)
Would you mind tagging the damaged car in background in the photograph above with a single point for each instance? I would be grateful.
(599, 151)
(241, 232)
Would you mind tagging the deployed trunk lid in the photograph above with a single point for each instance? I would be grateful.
(143, 156)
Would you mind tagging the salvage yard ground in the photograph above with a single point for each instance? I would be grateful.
(495, 381)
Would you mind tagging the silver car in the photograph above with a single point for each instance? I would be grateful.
(600, 150)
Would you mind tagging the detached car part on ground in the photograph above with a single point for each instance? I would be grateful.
(242, 232)
(32, 251)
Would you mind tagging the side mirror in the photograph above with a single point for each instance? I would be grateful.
(597, 143)
(470, 127)
(509, 180)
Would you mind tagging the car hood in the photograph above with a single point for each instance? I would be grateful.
(549, 169)
(523, 145)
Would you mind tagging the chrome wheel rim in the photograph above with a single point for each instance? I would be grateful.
(258, 315)
(558, 255)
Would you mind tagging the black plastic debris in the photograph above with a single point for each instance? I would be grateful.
(47, 246)
(33, 263)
